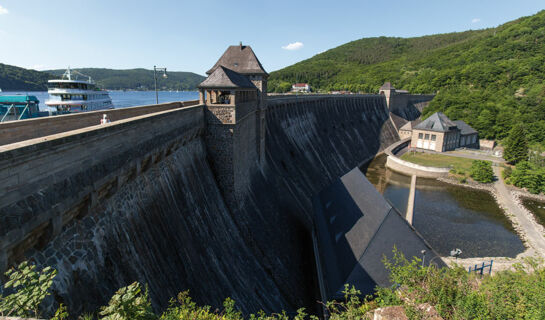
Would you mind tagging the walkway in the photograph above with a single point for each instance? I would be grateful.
(533, 236)
(471, 155)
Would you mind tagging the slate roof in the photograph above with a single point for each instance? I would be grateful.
(223, 77)
(410, 125)
(241, 59)
(436, 122)
(387, 86)
(355, 228)
(398, 121)
(464, 128)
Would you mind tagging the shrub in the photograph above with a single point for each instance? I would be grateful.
(128, 303)
(482, 171)
(30, 287)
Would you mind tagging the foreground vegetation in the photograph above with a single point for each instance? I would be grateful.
(455, 294)
(492, 79)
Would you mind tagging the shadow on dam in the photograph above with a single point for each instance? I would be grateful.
(449, 216)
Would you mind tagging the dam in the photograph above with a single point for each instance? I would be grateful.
(214, 195)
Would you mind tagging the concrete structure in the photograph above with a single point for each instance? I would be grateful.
(402, 103)
(184, 195)
(408, 168)
(356, 228)
(438, 133)
(300, 87)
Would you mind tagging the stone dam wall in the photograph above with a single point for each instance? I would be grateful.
(138, 200)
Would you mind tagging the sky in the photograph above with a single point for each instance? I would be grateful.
(191, 35)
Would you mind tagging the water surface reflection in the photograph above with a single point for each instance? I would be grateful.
(449, 216)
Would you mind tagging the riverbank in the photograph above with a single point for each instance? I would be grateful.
(523, 221)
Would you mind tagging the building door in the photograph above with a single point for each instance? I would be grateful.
(426, 144)
(419, 143)
(432, 145)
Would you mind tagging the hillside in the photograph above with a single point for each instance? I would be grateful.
(138, 79)
(490, 78)
(14, 79)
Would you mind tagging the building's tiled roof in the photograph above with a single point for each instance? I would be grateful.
(436, 122)
(241, 59)
(223, 77)
(410, 125)
(464, 127)
(387, 86)
(300, 85)
(398, 121)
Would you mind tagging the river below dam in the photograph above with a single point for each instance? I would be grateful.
(449, 216)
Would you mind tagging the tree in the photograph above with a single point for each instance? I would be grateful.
(482, 171)
(516, 149)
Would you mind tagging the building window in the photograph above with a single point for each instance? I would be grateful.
(420, 135)
(433, 137)
(427, 137)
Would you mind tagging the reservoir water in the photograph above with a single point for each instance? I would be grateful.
(536, 207)
(123, 99)
(449, 216)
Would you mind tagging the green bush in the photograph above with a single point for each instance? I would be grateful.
(128, 303)
(527, 175)
(481, 171)
(30, 287)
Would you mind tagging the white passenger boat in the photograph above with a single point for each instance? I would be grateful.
(70, 95)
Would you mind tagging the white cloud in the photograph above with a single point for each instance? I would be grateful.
(3, 10)
(293, 46)
(475, 20)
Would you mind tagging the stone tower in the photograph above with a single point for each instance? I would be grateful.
(235, 99)
(388, 91)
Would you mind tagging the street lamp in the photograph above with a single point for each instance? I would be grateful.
(155, 70)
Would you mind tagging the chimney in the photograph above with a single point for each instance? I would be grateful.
(240, 45)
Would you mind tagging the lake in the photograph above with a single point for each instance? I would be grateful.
(123, 99)
(449, 216)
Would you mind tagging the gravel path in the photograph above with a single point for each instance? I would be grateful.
(526, 223)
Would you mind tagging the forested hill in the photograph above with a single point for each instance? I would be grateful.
(14, 79)
(490, 78)
(138, 79)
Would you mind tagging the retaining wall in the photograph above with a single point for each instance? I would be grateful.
(14, 131)
(408, 168)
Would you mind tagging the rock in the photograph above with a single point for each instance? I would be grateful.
(428, 312)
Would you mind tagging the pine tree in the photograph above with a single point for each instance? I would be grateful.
(516, 149)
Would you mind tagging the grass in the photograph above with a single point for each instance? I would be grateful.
(439, 160)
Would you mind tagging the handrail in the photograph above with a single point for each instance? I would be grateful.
(23, 112)
(7, 112)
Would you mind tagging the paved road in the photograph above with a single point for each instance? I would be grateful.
(534, 237)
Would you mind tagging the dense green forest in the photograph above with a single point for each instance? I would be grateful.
(491, 78)
(138, 79)
(14, 79)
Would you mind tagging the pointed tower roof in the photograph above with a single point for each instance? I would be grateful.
(223, 77)
(387, 86)
(241, 59)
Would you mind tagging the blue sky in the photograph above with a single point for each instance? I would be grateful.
(191, 35)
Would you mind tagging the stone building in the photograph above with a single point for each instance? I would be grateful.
(234, 95)
(406, 130)
(439, 133)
